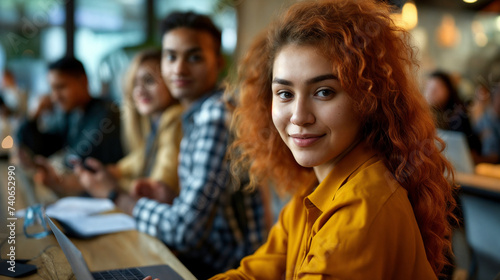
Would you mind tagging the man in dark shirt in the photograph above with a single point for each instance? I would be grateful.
(83, 127)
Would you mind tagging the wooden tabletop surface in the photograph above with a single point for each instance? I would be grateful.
(111, 251)
(478, 182)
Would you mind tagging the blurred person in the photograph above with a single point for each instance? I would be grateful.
(81, 127)
(5, 127)
(4, 109)
(212, 224)
(347, 131)
(13, 103)
(449, 111)
(13, 96)
(152, 124)
(488, 127)
(480, 102)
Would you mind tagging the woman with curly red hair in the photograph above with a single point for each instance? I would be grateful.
(329, 108)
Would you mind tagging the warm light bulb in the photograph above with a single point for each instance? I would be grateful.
(481, 39)
(7, 142)
(447, 33)
(409, 15)
(477, 27)
(470, 1)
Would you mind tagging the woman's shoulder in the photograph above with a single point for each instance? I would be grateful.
(374, 190)
(172, 114)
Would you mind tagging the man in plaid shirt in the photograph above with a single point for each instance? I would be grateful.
(211, 225)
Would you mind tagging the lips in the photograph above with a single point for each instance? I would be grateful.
(181, 82)
(143, 100)
(305, 140)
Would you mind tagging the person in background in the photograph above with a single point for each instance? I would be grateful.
(488, 127)
(83, 127)
(481, 101)
(13, 104)
(13, 96)
(347, 131)
(152, 124)
(449, 111)
(212, 224)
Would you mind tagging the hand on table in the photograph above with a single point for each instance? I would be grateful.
(98, 182)
(24, 157)
(45, 174)
(152, 189)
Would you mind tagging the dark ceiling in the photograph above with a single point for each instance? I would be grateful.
(480, 5)
(456, 4)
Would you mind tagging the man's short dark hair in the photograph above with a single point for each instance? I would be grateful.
(194, 21)
(68, 65)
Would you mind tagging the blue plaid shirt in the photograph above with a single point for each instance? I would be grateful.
(210, 221)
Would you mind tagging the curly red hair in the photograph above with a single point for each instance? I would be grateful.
(375, 65)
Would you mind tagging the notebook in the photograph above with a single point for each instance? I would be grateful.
(457, 150)
(82, 272)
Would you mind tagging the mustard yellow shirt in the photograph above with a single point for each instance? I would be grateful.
(166, 145)
(357, 224)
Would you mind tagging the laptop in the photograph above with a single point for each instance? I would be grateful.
(82, 272)
(457, 150)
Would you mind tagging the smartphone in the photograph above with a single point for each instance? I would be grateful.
(18, 270)
(75, 159)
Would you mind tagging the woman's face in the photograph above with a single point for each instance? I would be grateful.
(312, 113)
(150, 94)
(436, 93)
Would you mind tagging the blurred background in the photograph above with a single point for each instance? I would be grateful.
(457, 36)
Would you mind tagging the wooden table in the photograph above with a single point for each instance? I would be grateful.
(111, 251)
(479, 182)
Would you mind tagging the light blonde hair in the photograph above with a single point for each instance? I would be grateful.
(136, 126)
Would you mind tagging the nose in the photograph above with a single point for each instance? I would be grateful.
(302, 113)
(139, 90)
(56, 95)
(180, 67)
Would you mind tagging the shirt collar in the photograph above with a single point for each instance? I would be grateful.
(326, 190)
(170, 115)
(188, 115)
(154, 125)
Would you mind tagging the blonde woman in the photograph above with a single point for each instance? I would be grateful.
(152, 132)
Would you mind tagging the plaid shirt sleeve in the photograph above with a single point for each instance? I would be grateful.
(183, 224)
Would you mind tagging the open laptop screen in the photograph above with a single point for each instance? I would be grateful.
(457, 150)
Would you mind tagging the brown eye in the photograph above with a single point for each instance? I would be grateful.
(169, 57)
(195, 58)
(285, 95)
(324, 93)
(148, 81)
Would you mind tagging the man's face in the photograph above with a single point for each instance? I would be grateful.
(67, 90)
(190, 63)
(495, 101)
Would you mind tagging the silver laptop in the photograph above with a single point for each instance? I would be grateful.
(82, 272)
(457, 150)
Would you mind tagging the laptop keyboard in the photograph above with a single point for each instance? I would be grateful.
(119, 274)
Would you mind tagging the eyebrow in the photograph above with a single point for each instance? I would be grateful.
(309, 81)
(321, 78)
(189, 51)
